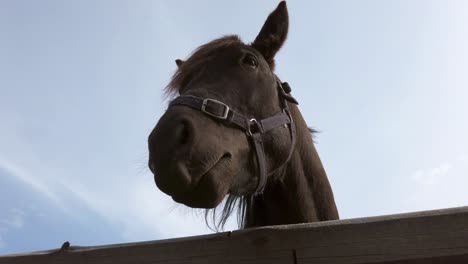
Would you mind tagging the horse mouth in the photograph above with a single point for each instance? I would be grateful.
(222, 162)
(210, 188)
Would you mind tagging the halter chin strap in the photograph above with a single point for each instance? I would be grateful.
(253, 128)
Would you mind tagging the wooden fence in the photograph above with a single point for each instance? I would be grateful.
(439, 236)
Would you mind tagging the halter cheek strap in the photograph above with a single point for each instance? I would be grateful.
(254, 129)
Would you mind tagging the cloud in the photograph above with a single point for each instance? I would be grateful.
(441, 186)
(431, 176)
(27, 178)
(133, 207)
(157, 212)
(14, 219)
(141, 212)
(463, 158)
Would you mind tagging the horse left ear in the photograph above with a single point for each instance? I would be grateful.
(179, 62)
(273, 34)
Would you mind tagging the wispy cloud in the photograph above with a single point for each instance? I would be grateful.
(132, 206)
(136, 208)
(434, 175)
(440, 186)
(13, 219)
(28, 179)
(431, 176)
(159, 213)
(463, 158)
(141, 212)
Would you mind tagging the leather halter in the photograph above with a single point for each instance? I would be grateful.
(253, 128)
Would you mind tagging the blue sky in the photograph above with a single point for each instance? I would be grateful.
(81, 87)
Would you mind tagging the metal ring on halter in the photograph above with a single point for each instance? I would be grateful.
(253, 120)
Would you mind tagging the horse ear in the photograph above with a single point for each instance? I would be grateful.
(273, 34)
(179, 62)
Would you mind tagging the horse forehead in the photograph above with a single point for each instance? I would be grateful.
(233, 49)
(210, 63)
(230, 56)
(228, 53)
(241, 49)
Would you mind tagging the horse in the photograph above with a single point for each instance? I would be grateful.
(233, 132)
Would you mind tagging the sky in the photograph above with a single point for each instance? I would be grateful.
(81, 87)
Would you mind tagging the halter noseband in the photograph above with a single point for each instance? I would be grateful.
(252, 127)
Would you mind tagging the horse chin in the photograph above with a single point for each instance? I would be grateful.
(211, 189)
(195, 202)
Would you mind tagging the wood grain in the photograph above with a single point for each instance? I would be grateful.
(439, 236)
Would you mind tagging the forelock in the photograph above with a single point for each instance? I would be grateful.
(194, 65)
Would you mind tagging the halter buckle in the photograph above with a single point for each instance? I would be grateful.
(209, 100)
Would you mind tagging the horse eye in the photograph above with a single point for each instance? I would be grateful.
(250, 61)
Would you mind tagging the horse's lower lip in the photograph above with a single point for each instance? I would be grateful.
(224, 159)
(192, 196)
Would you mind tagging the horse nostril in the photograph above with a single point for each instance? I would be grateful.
(185, 136)
(183, 133)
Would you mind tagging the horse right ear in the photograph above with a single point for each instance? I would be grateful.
(273, 34)
(179, 62)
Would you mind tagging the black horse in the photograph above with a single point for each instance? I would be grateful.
(235, 132)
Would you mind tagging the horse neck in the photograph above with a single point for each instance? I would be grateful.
(300, 193)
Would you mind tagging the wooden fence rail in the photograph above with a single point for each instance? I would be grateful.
(439, 236)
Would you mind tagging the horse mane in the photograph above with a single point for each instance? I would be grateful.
(195, 65)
